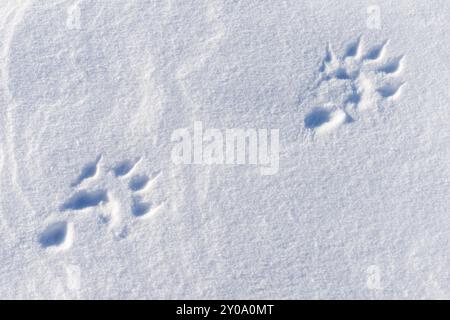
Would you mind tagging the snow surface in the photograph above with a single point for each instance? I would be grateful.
(92, 207)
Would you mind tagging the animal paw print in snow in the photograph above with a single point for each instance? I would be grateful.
(358, 80)
(115, 192)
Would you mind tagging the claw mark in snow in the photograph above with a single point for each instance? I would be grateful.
(85, 199)
(353, 49)
(88, 171)
(57, 235)
(376, 52)
(392, 66)
(390, 90)
(138, 182)
(140, 208)
(325, 119)
(125, 167)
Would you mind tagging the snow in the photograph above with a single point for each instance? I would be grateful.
(93, 207)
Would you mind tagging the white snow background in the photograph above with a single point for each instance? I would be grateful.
(92, 206)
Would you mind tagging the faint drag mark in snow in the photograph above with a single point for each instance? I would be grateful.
(73, 20)
(202, 53)
(12, 16)
(61, 281)
(114, 193)
(206, 48)
(373, 280)
(360, 79)
(373, 17)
